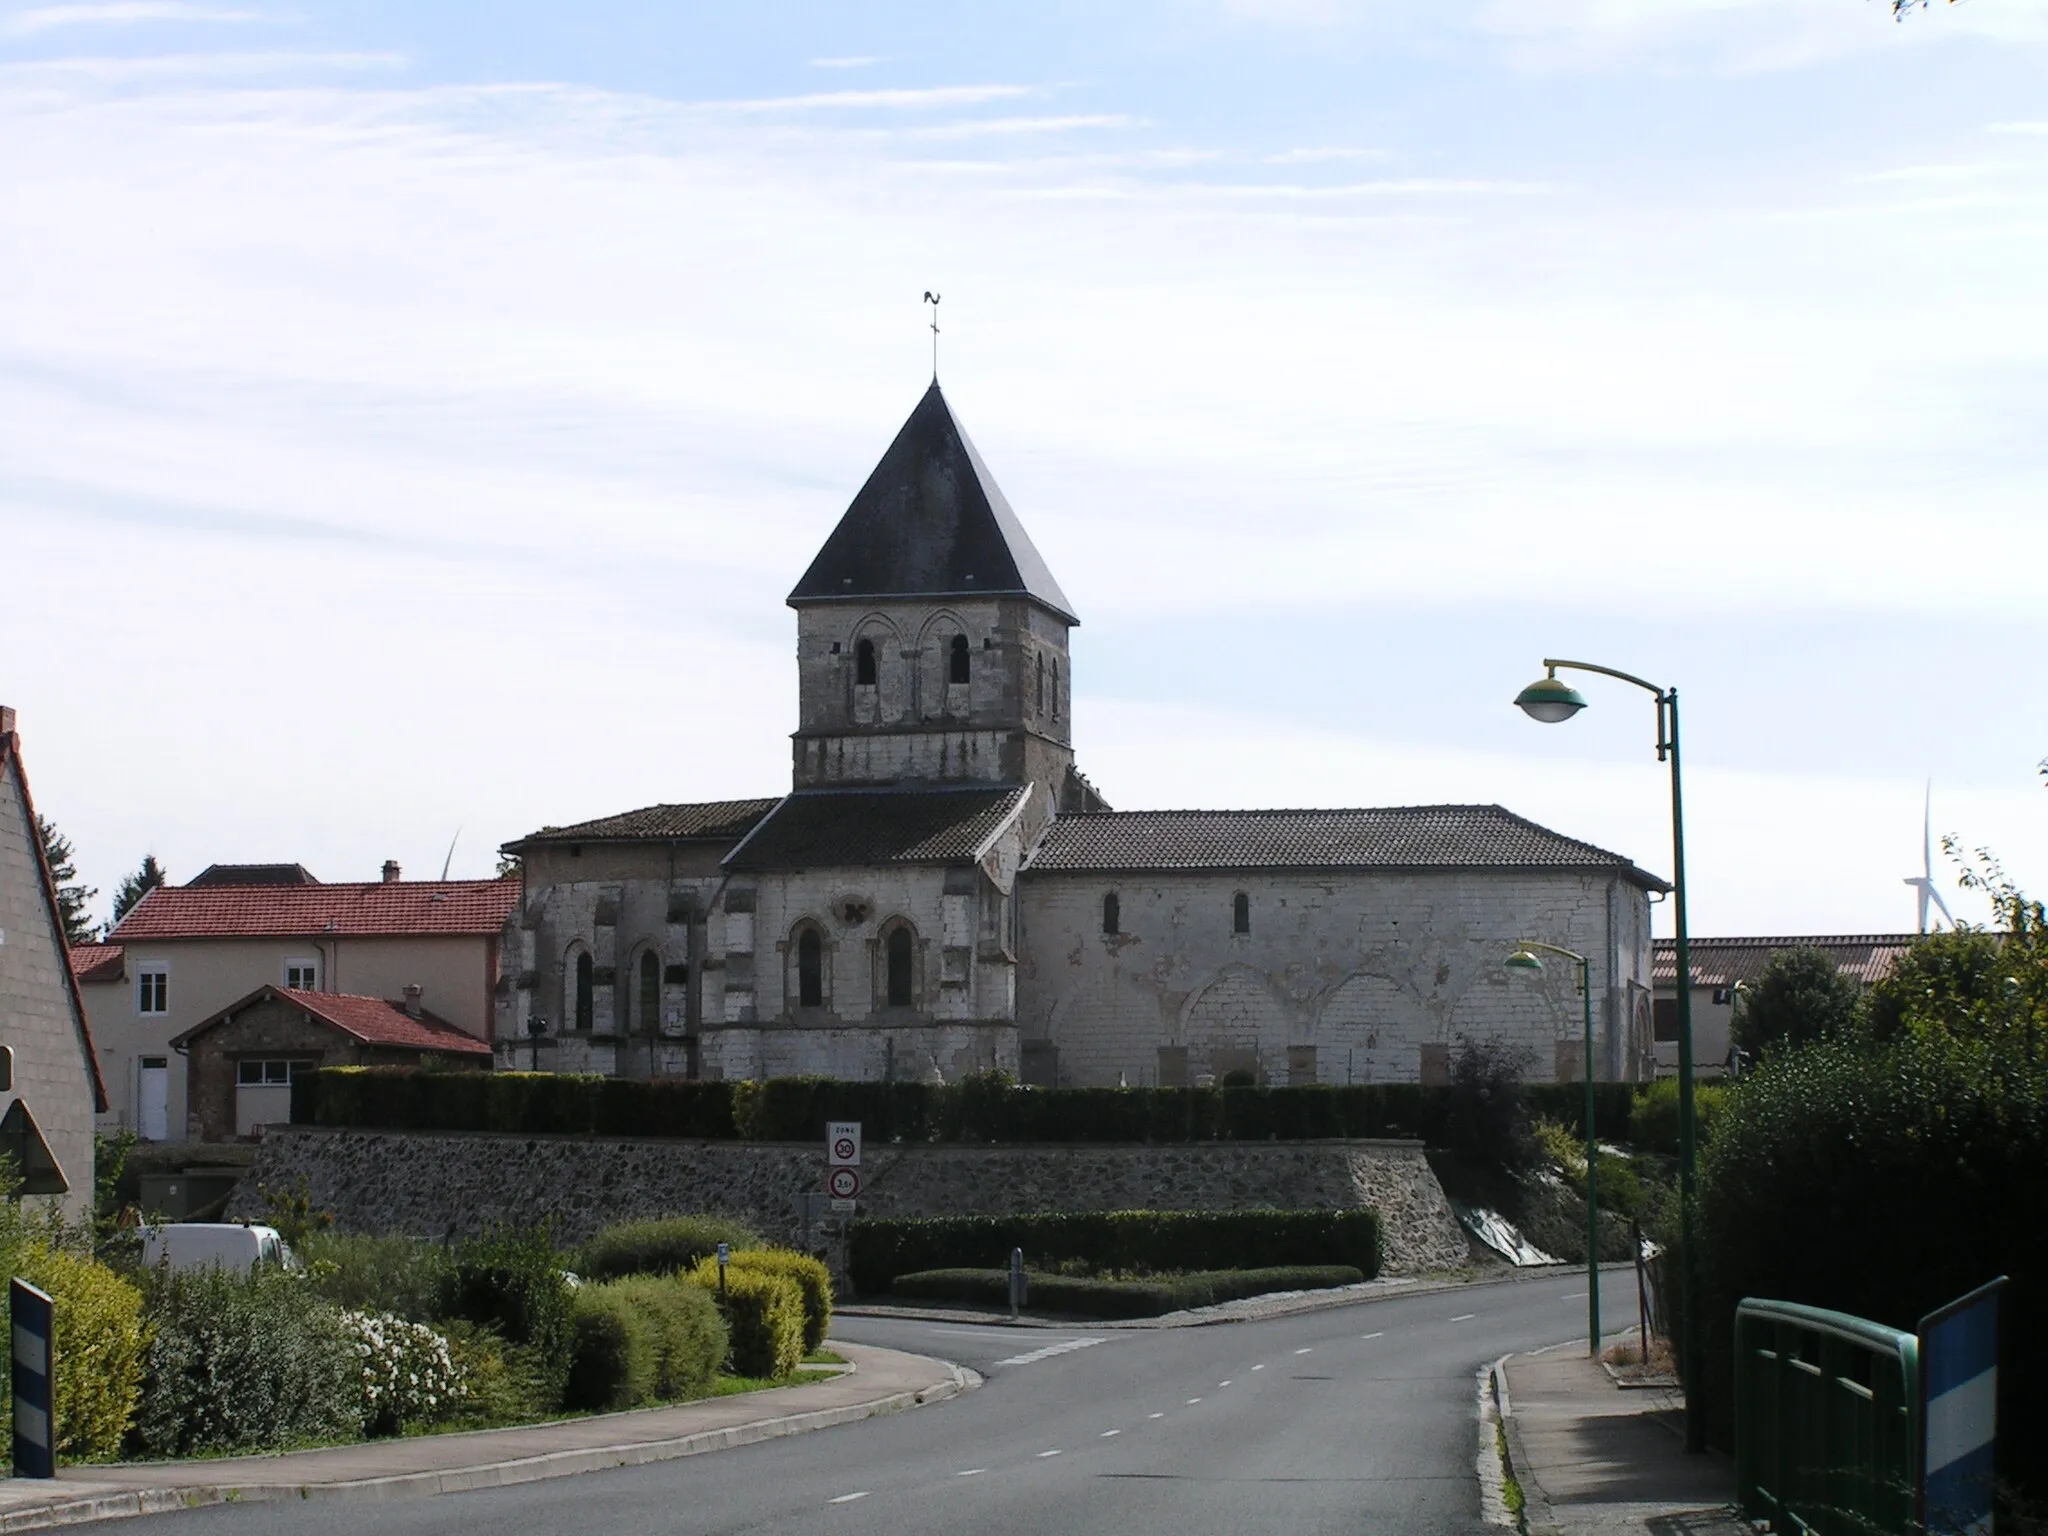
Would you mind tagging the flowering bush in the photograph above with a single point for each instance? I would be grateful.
(407, 1371)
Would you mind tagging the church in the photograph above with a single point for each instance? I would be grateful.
(942, 891)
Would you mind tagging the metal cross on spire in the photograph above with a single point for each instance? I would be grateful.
(933, 300)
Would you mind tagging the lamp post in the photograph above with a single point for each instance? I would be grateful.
(1551, 700)
(1525, 958)
(536, 1026)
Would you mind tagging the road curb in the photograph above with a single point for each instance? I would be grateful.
(1538, 1517)
(499, 1474)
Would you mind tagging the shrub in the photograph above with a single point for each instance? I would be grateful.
(813, 1282)
(1486, 1120)
(99, 1350)
(243, 1362)
(1129, 1242)
(661, 1245)
(1884, 1184)
(499, 1386)
(764, 1315)
(612, 1360)
(1801, 996)
(402, 1275)
(407, 1372)
(687, 1334)
(512, 1283)
(1122, 1298)
(1655, 1124)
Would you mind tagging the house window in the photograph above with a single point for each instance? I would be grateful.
(650, 992)
(810, 969)
(901, 957)
(153, 990)
(1112, 914)
(864, 663)
(1240, 913)
(586, 992)
(257, 1073)
(302, 975)
(959, 654)
(1664, 1020)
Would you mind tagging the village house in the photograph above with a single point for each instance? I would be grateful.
(942, 891)
(49, 1077)
(184, 954)
(239, 1064)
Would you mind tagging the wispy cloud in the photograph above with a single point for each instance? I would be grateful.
(112, 70)
(1315, 155)
(995, 127)
(2019, 127)
(904, 100)
(49, 18)
(851, 61)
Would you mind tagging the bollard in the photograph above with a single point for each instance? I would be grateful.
(33, 1314)
(724, 1257)
(1017, 1297)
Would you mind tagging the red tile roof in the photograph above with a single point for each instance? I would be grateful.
(1868, 957)
(384, 908)
(371, 1020)
(96, 962)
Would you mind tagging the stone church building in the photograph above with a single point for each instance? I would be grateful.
(942, 891)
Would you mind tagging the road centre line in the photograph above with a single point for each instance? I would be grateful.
(1192, 1401)
(1043, 1454)
(971, 1472)
(1222, 1383)
(1155, 1415)
(1258, 1367)
(1464, 1317)
(848, 1498)
(1575, 1296)
(1308, 1351)
(1380, 1335)
(1109, 1434)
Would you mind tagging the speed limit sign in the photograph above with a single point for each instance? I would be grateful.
(843, 1183)
(842, 1143)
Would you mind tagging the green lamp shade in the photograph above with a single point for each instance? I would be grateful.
(1524, 960)
(1550, 700)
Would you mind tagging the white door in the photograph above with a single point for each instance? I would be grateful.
(153, 1099)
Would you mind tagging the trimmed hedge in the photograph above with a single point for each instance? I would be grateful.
(764, 1315)
(612, 1360)
(813, 1283)
(1122, 1298)
(512, 1283)
(660, 1245)
(688, 1335)
(1131, 1242)
(977, 1111)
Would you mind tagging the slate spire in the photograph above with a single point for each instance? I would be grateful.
(930, 522)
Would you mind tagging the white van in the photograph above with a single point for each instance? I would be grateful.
(221, 1244)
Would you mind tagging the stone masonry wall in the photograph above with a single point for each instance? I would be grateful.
(454, 1185)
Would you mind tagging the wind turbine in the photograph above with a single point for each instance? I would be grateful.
(1924, 881)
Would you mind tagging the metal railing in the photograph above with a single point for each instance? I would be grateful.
(1827, 1409)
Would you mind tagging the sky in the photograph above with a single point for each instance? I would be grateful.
(413, 416)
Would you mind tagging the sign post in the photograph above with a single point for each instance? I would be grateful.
(1017, 1291)
(33, 1315)
(842, 1164)
(724, 1258)
(1959, 1413)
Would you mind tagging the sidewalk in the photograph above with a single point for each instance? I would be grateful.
(881, 1381)
(1595, 1459)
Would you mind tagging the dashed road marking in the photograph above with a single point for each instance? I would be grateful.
(1464, 1317)
(1109, 1434)
(1380, 1335)
(1043, 1454)
(1155, 1415)
(1311, 1349)
(1222, 1383)
(1258, 1367)
(1575, 1296)
(848, 1498)
(1192, 1401)
(971, 1472)
(1064, 1347)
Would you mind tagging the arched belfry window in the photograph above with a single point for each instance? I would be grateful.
(901, 957)
(957, 663)
(650, 992)
(1112, 914)
(1240, 913)
(810, 969)
(586, 992)
(1041, 685)
(864, 663)
(1055, 690)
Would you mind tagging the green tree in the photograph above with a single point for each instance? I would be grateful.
(1801, 996)
(138, 885)
(72, 895)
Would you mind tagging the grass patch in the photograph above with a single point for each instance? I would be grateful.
(1510, 1486)
(824, 1357)
(735, 1386)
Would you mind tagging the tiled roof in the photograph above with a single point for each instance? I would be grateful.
(930, 522)
(1397, 837)
(848, 828)
(254, 874)
(707, 819)
(96, 962)
(1868, 957)
(388, 908)
(371, 1020)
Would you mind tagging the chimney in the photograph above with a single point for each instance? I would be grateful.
(391, 871)
(413, 994)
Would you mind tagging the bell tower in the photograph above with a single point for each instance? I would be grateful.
(931, 637)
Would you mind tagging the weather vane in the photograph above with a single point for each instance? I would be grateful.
(933, 300)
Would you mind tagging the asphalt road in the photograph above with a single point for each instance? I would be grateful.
(1359, 1419)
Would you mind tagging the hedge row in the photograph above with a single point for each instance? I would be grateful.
(1122, 1298)
(1128, 1242)
(978, 1111)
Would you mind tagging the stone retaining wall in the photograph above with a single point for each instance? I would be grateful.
(457, 1184)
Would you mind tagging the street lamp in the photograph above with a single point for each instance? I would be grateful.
(1525, 958)
(1552, 701)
